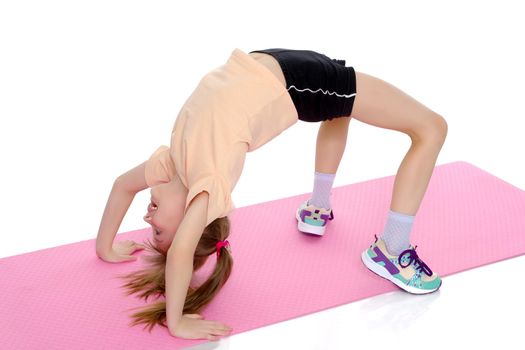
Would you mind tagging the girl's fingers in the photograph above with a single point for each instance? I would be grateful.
(197, 316)
(128, 257)
(132, 244)
(218, 328)
(222, 326)
(212, 335)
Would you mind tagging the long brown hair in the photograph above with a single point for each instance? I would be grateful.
(151, 281)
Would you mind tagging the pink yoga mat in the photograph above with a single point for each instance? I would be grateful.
(66, 298)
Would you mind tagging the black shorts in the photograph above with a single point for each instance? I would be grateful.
(321, 88)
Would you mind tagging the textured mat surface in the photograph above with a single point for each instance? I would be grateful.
(66, 298)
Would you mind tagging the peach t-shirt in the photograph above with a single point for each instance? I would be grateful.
(236, 108)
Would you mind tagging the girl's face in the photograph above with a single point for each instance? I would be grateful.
(165, 212)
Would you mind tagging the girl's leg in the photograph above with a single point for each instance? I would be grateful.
(331, 143)
(382, 104)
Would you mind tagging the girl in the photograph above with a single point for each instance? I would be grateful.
(235, 109)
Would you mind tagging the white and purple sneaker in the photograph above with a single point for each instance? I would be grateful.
(406, 270)
(312, 219)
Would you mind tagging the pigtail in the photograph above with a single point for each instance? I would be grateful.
(151, 281)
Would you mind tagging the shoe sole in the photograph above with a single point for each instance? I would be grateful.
(306, 228)
(382, 272)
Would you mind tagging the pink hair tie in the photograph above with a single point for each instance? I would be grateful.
(219, 245)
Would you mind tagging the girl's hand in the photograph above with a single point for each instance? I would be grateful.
(193, 326)
(122, 251)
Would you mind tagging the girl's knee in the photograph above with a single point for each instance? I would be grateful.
(441, 127)
(434, 131)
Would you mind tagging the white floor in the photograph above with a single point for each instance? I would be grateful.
(89, 90)
(476, 309)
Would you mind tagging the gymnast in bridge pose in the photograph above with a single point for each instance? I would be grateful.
(235, 109)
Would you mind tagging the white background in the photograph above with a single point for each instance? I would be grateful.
(89, 90)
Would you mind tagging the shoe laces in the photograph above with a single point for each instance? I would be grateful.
(414, 258)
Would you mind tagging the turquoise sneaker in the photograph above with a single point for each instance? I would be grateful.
(311, 219)
(407, 270)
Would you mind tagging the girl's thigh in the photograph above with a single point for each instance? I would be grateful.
(381, 104)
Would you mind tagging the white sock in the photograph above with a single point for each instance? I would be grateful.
(322, 190)
(397, 232)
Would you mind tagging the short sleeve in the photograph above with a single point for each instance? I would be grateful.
(219, 199)
(159, 167)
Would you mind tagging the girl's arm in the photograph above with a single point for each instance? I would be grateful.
(122, 193)
(179, 268)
